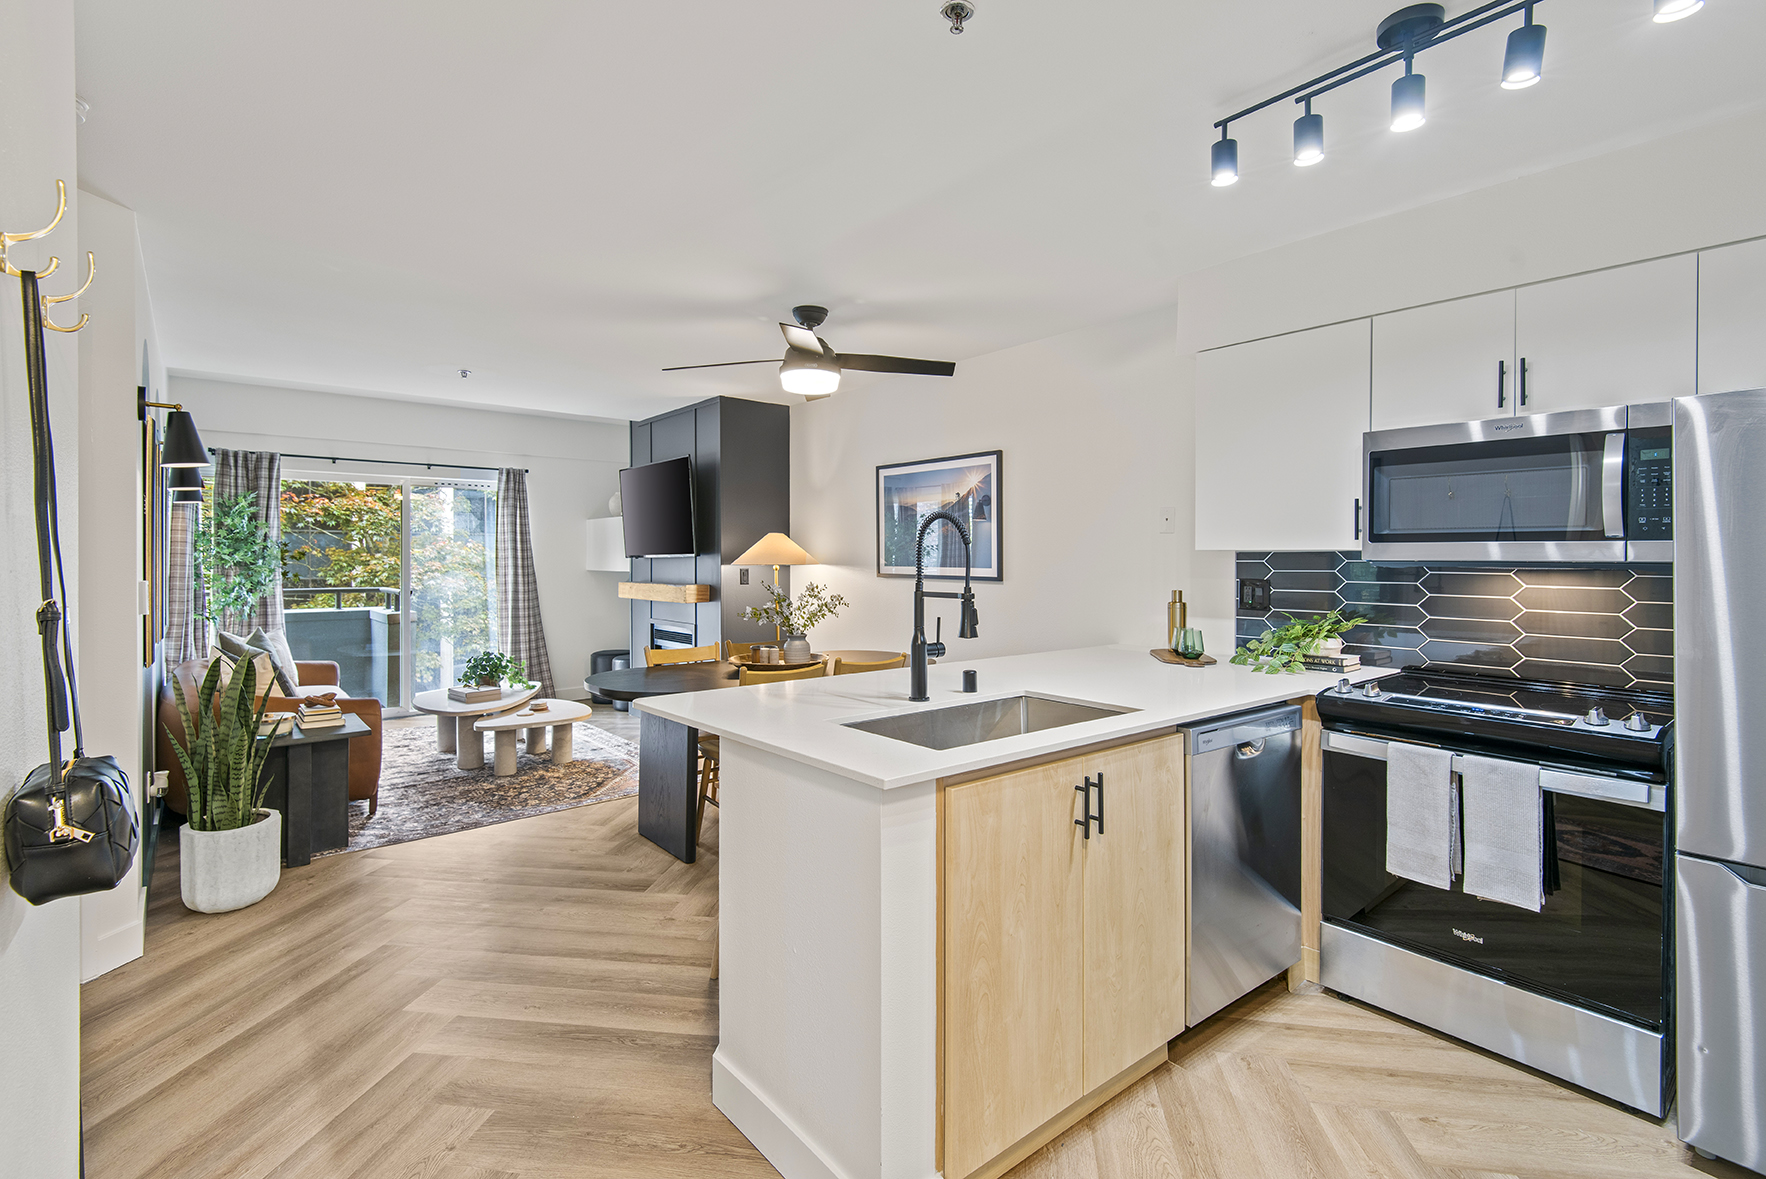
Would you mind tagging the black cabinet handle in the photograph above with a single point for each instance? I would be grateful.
(1100, 815)
(1523, 380)
(1358, 519)
(1501, 383)
(1085, 822)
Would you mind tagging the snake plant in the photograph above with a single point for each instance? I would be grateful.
(222, 752)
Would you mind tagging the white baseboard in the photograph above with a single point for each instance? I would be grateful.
(771, 1132)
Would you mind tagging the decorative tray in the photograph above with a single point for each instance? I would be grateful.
(1167, 655)
(747, 661)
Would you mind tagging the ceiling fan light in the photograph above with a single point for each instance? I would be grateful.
(1407, 103)
(1308, 140)
(1524, 62)
(808, 374)
(1225, 160)
(1671, 10)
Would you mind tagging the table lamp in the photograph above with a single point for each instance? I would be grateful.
(775, 549)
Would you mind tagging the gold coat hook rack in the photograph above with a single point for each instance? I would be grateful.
(7, 240)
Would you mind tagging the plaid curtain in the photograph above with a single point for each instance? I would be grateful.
(259, 472)
(519, 629)
(183, 638)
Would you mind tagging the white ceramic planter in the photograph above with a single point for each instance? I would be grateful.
(796, 649)
(220, 871)
(1331, 646)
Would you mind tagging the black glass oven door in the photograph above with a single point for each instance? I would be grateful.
(1598, 942)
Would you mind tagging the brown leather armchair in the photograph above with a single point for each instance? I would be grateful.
(320, 676)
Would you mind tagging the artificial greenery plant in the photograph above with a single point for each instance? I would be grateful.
(222, 752)
(1284, 648)
(795, 616)
(235, 556)
(493, 667)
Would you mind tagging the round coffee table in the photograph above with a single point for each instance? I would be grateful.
(559, 715)
(454, 720)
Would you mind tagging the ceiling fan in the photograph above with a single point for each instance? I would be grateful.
(813, 369)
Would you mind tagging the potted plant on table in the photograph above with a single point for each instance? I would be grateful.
(796, 617)
(1285, 648)
(491, 669)
(230, 852)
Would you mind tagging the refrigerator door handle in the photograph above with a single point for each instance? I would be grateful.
(1754, 878)
(1612, 485)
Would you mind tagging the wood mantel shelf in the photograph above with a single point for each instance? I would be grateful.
(651, 592)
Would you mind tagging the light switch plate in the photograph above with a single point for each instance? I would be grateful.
(742, 576)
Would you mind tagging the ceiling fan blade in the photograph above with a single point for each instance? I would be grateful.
(722, 364)
(817, 396)
(801, 338)
(860, 362)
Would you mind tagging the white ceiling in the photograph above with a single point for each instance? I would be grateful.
(567, 195)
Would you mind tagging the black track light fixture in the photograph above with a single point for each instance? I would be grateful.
(1524, 62)
(1225, 160)
(1308, 138)
(1408, 106)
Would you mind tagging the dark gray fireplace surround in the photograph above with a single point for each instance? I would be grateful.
(1612, 626)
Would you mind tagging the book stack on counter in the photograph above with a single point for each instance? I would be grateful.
(461, 694)
(320, 716)
(1337, 663)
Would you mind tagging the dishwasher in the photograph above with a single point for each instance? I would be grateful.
(1244, 855)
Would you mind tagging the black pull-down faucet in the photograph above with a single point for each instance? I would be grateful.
(966, 626)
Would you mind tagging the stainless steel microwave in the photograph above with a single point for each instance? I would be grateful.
(1592, 485)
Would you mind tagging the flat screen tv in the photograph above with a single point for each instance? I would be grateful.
(657, 501)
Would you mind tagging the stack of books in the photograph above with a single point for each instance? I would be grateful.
(462, 694)
(1337, 663)
(326, 716)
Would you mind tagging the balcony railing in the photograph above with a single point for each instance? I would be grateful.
(389, 595)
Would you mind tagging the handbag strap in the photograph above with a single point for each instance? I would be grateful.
(59, 684)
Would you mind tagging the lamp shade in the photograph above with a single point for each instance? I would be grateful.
(186, 485)
(183, 445)
(775, 548)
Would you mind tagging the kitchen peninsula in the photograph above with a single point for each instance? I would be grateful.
(933, 959)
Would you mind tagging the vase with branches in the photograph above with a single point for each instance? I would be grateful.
(236, 558)
(796, 617)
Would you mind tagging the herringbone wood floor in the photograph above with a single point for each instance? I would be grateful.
(531, 1001)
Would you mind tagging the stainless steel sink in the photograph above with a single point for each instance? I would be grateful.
(984, 720)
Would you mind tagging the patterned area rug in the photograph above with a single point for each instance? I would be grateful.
(423, 793)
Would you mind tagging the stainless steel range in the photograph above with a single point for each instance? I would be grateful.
(1579, 986)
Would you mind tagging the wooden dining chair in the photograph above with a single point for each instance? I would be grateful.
(754, 675)
(853, 667)
(732, 648)
(657, 656)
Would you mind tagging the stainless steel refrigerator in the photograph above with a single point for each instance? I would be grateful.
(1720, 772)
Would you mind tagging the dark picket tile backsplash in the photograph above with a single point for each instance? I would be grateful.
(1591, 626)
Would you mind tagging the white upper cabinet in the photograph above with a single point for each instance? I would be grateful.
(1447, 362)
(1732, 318)
(1278, 440)
(1613, 337)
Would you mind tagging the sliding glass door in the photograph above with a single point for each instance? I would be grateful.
(394, 580)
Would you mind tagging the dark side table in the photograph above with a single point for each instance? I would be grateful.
(309, 774)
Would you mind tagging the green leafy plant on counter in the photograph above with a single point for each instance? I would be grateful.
(493, 667)
(1284, 648)
(795, 616)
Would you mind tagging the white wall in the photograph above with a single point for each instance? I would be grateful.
(1094, 429)
(113, 682)
(573, 469)
(39, 947)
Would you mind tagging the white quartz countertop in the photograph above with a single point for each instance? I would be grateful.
(805, 719)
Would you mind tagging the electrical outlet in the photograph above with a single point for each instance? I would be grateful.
(1253, 594)
(1167, 519)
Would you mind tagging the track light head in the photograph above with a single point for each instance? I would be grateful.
(1524, 62)
(1308, 139)
(1672, 10)
(1407, 102)
(1225, 158)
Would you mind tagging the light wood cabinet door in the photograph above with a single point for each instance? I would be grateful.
(1732, 318)
(1134, 906)
(1014, 966)
(1614, 337)
(1278, 440)
(1447, 362)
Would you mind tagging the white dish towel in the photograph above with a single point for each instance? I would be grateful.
(1505, 832)
(1422, 827)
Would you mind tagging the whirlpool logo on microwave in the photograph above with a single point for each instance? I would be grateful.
(1510, 426)
(1463, 936)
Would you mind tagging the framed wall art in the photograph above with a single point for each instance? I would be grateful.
(965, 485)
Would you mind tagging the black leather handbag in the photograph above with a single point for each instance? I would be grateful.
(71, 828)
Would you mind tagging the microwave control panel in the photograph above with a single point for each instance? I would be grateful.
(1649, 485)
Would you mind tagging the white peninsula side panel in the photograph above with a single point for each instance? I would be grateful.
(828, 945)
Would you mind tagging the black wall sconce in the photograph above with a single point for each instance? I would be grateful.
(183, 445)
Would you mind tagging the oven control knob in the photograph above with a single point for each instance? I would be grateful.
(1343, 688)
(1597, 716)
(1637, 723)
(1371, 688)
